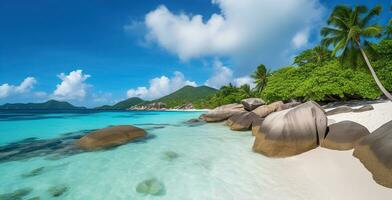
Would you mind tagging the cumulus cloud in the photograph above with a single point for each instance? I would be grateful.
(244, 80)
(221, 76)
(161, 86)
(300, 39)
(72, 86)
(248, 31)
(25, 86)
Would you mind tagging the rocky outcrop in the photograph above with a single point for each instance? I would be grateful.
(344, 135)
(265, 110)
(289, 105)
(252, 103)
(375, 153)
(242, 121)
(110, 137)
(222, 113)
(151, 187)
(347, 109)
(292, 131)
(256, 126)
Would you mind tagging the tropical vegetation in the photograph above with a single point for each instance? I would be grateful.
(337, 69)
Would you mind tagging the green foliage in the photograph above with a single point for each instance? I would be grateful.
(383, 63)
(122, 104)
(185, 95)
(51, 104)
(260, 77)
(226, 95)
(348, 30)
(317, 55)
(320, 83)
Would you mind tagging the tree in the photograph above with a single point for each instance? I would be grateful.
(318, 55)
(260, 77)
(348, 30)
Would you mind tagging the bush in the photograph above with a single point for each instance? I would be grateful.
(320, 83)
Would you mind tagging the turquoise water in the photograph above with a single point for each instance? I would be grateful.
(197, 171)
(201, 162)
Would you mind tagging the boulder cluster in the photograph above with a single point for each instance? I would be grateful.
(287, 129)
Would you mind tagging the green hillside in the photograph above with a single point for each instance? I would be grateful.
(51, 104)
(187, 94)
(122, 104)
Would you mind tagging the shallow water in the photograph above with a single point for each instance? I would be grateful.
(206, 161)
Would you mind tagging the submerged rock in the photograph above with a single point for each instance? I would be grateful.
(265, 110)
(252, 103)
(344, 135)
(110, 137)
(34, 172)
(170, 155)
(195, 122)
(16, 195)
(222, 113)
(151, 187)
(242, 121)
(35, 198)
(375, 153)
(290, 132)
(58, 190)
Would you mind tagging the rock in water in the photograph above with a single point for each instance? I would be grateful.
(222, 113)
(110, 137)
(151, 186)
(290, 132)
(16, 195)
(242, 121)
(344, 135)
(375, 153)
(252, 103)
(170, 155)
(265, 110)
(58, 190)
(34, 172)
(256, 126)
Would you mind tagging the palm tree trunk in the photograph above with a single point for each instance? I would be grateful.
(378, 82)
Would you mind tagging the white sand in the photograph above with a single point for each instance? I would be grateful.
(338, 174)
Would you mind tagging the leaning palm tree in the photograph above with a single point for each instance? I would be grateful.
(348, 31)
(388, 30)
(260, 78)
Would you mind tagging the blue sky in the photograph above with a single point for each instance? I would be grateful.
(146, 48)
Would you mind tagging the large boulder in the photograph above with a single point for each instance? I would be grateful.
(375, 153)
(289, 105)
(265, 110)
(344, 135)
(256, 126)
(222, 113)
(292, 131)
(252, 103)
(110, 137)
(364, 108)
(242, 121)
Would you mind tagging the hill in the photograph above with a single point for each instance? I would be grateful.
(51, 104)
(185, 95)
(122, 105)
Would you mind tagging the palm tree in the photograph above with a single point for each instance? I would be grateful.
(348, 31)
(388, 30)
(260, 78)
(318, 55)
(245, 91)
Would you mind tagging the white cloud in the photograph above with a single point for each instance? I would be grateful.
(73, 86)
(221, 76)
(244, 80)
(249, 31)
(24, 87)
(161, 86)
(300, 39)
